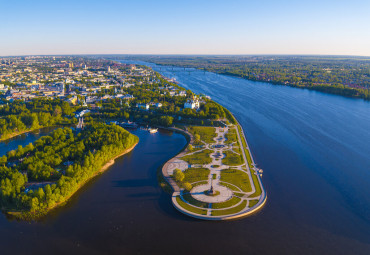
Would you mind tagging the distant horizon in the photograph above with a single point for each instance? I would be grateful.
(162, 27)
(175, 54)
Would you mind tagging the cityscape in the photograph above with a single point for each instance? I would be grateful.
(190, 127)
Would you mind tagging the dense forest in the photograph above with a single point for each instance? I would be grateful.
(347, 76)
(19, 116)
(39, 176)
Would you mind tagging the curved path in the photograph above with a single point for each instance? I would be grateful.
(223, 191)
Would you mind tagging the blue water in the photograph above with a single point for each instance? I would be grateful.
(314, 149)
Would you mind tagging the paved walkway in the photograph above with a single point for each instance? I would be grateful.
(223, 193)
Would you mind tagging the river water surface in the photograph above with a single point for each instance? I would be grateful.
(314, 149)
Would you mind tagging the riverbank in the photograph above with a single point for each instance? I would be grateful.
(10, 136)
(340, 90)
(37, 215)
(229, 205)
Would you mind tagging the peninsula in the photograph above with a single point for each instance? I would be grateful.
(89, 98)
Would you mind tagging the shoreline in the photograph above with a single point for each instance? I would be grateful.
(316, 89)
(21, 133)
(36, 215)
(176, 189)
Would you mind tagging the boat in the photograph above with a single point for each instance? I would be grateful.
(153, 130)
(129, 124)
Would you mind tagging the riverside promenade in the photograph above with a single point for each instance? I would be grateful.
(230, 200)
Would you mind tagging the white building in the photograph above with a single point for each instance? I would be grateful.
(82, 113)
(192, 103)
(143, 106)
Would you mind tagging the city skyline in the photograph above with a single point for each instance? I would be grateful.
(164, 27)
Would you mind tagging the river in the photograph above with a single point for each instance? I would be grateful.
(314, 149)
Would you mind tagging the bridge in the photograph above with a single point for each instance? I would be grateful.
(175, 69)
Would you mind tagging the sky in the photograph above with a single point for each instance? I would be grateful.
(326, 27)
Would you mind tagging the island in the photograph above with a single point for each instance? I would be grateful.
(44, 175)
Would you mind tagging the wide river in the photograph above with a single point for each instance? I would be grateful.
(313, 147)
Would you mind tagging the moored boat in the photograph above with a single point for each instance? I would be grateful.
(153, 130)
(129, 124)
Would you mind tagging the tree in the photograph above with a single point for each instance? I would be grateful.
(187, 186)
(190, 147)
(66, 108)
(57, 111)
(166, 120)
(197, 137)
(3, 160)
(178, 175)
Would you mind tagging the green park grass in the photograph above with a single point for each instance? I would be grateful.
(232, 187)
(233, 210)
(202, 158)
(228, 203)
(206, 133)
(188, 197)
(252, 203)
(190, 208)
(196, 174)
(232, 159)
(231, 135)
(249, 159)
(237, 178)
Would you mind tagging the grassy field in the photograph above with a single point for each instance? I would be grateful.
(238, 178)
(199, 158)
(229, 186)
(193, 201)
(253, 203)
(206, 133)
(233, 210)
(232, 159)
(196, 174)
(249, 159)
(228, 203)
(190, 208)
(231, 135)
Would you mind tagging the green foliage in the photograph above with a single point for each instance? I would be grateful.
(348, 76)
(187, 186)
(178, 175)
(86, 151)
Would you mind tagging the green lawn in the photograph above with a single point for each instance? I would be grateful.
(196, 174)
(238, 178)
(229, 186)
(206, 133)
(188, 197)
(231, 135)
(228, 203)
(190, 208)
(233, 210)
(199, 157)
(252, 203)
(249, 159)
(232, 159)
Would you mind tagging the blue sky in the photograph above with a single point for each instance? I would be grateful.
(185, 27)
